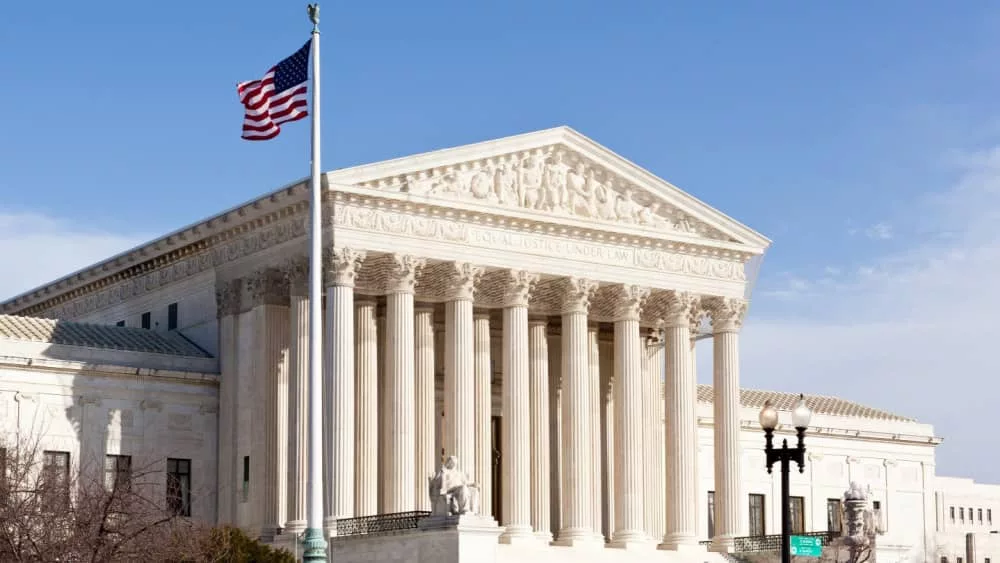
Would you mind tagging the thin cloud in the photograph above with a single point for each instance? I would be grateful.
(913, 331)
(39, 249)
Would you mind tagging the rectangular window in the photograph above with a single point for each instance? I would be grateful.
(147, 319)
(120, 323)
(118, 473)
(979, 515)
(961, 514)
(798, 513)
(246, 477)
(179, 486)
(833, 515)
(172, 316)
(989, 516)
(55, 479)
(951, 509)
(958, 559)
(711, 514)
(756, 515)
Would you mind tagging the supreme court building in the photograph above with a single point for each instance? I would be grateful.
(529, 305)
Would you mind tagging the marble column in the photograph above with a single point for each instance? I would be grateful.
(680, 402)
(629, 355)
(426, 461)
(593, 330)
(608, 458)
(366, 428)
(398, 485)
(578, 487)
(655, 508)
(459, 380)
(727, 318)
(297, 272)
(341, 265)
(227, 299)
(483, 407)
(538, 352)
(516, 419)
(269, 296)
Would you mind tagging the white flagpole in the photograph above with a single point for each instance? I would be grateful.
(314, 542)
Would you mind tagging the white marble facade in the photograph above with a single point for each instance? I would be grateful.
(528, 305)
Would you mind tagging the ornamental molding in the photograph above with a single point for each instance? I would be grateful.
(554, 182)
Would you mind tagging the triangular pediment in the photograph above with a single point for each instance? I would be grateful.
(556, 173)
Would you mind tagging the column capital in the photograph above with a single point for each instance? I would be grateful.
(520, 284)
(577, 293)
(726, 312)
(678, 308)
(461, 281)
(341, 265)
(402, 273)
(629, 300)
(296, 271)
(227, 297)
(266, 286)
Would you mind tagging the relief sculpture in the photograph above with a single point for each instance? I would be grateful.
(551, 180)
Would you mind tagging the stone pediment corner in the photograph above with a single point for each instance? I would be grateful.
(554, 173)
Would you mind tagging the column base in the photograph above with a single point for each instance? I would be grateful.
(519, 535)
(294, 527)
(578, 538)
(633, 542)
(723, 544)
(545, 538)
(682, 545)
(329, 526)
(314, 546)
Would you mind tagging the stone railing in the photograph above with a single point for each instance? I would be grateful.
(377, 524)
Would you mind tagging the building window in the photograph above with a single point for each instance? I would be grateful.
(120, 323)
(958, 559)
(179, 486)
(833, 515)
(147, 319)
(961, 514)
(711, 514)
(3, 476)
(756, 515)
(798, 514)
(979, 515)
(951, 509)
(55, 479)
(246, 477)
(172, 316)
(989, 516)
(118, 473)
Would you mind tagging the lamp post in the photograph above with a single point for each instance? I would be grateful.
(769, 421)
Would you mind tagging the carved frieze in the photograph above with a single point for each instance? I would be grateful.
(552, 180)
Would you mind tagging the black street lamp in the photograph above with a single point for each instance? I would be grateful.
(769, 421)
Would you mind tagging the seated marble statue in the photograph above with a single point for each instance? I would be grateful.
(452, 492)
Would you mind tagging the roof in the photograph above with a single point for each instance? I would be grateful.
(85, 335)
(833, 406)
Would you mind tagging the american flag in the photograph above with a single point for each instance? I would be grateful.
(279, 97)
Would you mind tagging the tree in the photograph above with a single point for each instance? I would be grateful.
(49, 512)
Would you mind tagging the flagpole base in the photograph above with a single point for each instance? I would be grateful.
(314, 546)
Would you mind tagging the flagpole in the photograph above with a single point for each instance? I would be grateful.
(314, 543)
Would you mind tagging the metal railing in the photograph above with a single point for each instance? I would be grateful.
(377, 524)
(765, 544)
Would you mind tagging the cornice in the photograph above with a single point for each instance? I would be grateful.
(198, 246)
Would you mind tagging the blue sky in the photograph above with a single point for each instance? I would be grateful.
(859, 136)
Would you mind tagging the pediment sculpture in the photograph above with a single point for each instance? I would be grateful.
(551, 180)
(452, 493)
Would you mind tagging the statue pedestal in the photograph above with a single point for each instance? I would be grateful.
(468, 538)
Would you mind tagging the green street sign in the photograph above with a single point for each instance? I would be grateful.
(806, 546)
